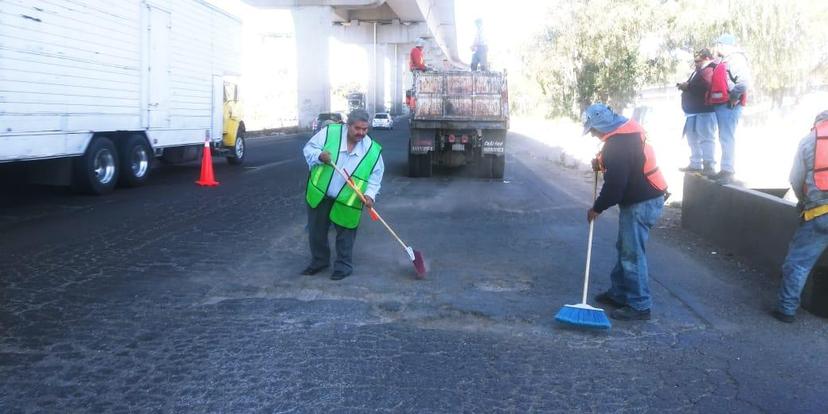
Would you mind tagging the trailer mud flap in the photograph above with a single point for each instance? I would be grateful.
(422, 141)
(494, 145)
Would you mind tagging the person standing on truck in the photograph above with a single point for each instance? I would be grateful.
(480, 49)
(416, 57)
(633, 181)
(809, 180)
(329, 198)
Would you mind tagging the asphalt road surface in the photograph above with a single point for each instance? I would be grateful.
(177, 298)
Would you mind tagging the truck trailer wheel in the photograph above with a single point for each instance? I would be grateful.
(96, 172)
(136, 160)
(419, 165)
(239, 150)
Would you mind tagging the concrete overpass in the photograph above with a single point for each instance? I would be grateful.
(387, 28)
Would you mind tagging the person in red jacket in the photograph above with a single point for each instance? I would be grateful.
(417, 58)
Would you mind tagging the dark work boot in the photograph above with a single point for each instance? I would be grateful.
(783, 317)
(724, 177)
(708, 170)
(339, 275)
(606, 299)
(312, 270)
(691, 169)
(629, 314)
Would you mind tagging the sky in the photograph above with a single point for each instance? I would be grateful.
(506, 24)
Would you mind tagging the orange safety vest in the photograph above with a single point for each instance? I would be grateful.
(718, 93)
(650, 169)
(821, 156)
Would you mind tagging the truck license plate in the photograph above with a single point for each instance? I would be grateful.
(458, 147)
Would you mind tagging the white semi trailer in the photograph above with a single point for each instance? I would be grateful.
(91, 91)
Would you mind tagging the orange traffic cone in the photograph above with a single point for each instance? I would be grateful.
(207, 179)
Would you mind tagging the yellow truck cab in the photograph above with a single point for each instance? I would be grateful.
(233, 131)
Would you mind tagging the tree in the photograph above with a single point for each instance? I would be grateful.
(783, 40)
(603, 50)
(591, 51)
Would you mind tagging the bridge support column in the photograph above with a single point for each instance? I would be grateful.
(313, 29)
(400, 77)
(376, 78)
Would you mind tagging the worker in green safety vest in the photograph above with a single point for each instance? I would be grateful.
(329, 199)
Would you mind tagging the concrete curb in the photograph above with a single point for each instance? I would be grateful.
(753, 225)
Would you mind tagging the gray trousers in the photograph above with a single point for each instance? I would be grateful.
(318, 224)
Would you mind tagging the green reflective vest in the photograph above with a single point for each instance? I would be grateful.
(347, 209)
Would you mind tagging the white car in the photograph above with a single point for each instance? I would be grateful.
(382, 120)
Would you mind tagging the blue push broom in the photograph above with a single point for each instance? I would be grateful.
(581, 314)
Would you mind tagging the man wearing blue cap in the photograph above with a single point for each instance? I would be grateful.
(728, 95)
(633, 181)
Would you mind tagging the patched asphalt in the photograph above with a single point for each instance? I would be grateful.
(176, 298)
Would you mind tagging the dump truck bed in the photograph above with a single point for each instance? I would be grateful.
(461, 96)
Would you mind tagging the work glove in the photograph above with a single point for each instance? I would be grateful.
(596, 165)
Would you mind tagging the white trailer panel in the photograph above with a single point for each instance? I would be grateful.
(71, 68)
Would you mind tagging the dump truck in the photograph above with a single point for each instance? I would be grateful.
(458, 118)
(91, 92)
(356, 100)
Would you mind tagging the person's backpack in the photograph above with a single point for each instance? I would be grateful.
(718, 92)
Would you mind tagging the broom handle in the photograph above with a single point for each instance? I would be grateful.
(589, 243)
(589, 256)
(362, 197)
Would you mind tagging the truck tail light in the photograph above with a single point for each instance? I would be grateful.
(452, 138)
(464, 139)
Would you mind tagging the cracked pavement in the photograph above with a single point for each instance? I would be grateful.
(175, 298)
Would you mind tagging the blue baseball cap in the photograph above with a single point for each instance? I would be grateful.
(602, 118)
(726, 39)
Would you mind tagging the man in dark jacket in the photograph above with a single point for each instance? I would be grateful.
(700, 125)
(633, 182)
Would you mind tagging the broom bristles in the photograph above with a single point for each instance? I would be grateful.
(583, 315)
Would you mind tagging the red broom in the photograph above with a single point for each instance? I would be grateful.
(415, 255)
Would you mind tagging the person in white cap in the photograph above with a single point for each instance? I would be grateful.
(728, 95)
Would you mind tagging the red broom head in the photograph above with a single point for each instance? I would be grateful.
(419, 264)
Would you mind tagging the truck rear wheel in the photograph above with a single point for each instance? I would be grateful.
(96, 172)
(239, 150)
(419, 165)
(135, 161)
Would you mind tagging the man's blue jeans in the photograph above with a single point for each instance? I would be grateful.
(700, 130)
(807, 245)
(630, 281)
(728, 119)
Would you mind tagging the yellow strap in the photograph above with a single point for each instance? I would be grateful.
(815, 212)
